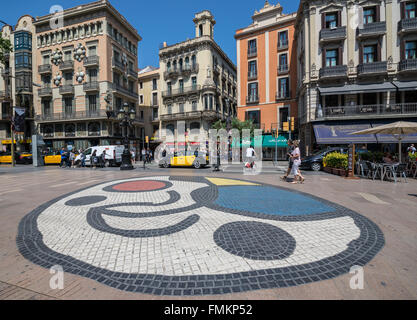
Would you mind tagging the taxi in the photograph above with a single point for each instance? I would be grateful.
(20, 158)
(179, 159)
(52, 158)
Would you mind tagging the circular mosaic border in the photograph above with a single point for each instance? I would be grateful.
(359, 252)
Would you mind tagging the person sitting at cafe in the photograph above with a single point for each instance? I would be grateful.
(388, 158)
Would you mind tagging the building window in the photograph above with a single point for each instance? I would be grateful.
(253, 91)
(45, 59)
(23, 41)
(141, 99)
(253, 69)
(181, 108)
(283, 39)
(67, 56)
(92, 74)
(154, 84)
(181, 83)
(68, 78)
(141, 85)
(92, 103)
(410, 10)
(155, 99)
(194, 82)
(47, 110)
(331, 20)
(369, 54)
(168, 67)
(369, 15)
(169, 85)
(283, 87)
(410, 50)
(283, 62)
(252, 48)
(193, 61)
(24, 81)
(67, 103)
(211, 102)
(169, 109)
(23, 60)
(92, 51)
(155, 113)
(194, 105)
(254, 116)
(332, 57)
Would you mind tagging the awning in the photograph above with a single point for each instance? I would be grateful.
(357, 88)
(389, 138)
(406, 85)
(270, 141)
(340, 133)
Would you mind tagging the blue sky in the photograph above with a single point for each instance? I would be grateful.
(163, 20)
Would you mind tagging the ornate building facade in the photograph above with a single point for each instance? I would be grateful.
(86, 67)
(199, 84)
(357, 68)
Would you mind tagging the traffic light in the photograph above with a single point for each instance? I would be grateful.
(292, 124)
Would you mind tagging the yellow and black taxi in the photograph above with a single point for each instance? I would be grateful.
(20, 157)
(52, 157)
(184, 159)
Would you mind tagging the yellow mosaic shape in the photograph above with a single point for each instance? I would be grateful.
(230, 182)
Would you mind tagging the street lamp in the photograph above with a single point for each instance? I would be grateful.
(126, 117)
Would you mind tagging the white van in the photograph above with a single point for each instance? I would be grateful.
(113, 155)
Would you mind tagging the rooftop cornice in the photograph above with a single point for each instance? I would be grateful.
(195, 42)
(93, 6)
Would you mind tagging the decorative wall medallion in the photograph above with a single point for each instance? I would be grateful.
(79, 76)
(57, 79)
(56, 57)
(79, 53)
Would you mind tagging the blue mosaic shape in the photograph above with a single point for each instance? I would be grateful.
(269, 200)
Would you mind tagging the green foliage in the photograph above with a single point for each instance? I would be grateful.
(235, 124)
(412, 157)
(5, 47)
(336, 160)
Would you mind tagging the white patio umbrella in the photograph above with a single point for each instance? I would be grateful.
(397, 129)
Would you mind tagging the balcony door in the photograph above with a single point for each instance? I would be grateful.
(284, 87)
(92, 104)
(92, 75)
(331, 20)
(253, 91)
(68, 109)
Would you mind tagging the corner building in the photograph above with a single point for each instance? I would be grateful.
(86, 67)
(198, 81)
(267, 72)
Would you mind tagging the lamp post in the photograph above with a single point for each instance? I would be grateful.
(126, 118)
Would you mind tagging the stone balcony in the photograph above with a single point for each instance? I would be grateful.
(334, 34)
(91, 86)
(66, 65)
(66, 89)
(372, 30)
(333, 72)
(374, 68)
(181, 91)
(407, 25)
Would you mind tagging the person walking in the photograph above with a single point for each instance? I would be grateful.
(148, 156)
(64, 156)
(143, 154)
(82, 156)
(133, 156)
(296, 157)
(103, 159)
(250, 157)
(290, 161)
(71, 159)
(94, 160)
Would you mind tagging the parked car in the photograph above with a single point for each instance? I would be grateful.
(20, 158)
(53, 157)
(113, 155)
(315, 161)
(189, 159)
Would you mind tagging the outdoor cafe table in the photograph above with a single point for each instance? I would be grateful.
(383, 167)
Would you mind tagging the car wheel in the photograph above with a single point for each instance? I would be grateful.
(316, 166)
(165, 165)
(197, 164)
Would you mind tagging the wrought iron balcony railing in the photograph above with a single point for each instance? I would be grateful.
(283, 68)
(252, 75)
(282, 44)
(369, 111)
(333, 34)
(181, 91)
(283, 95)
(408, 65)
(91, 61)
(66, 65)
(252, 99)
(81, 115)
(45, 68)
(252, 52)
(335, 71)
(91, 86)
(45, 92)
(372, 68)
(407, 25)
(125, 91)
(372, 29)
(66, 89)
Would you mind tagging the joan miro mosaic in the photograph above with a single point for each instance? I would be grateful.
(183, 236)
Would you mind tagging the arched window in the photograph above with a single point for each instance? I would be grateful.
(70, 130)
(181, 63)
(169, 66)
(187, 62)
(193, 61)
(174, 64)
(170, 129)
(94, 129)
(206, 101)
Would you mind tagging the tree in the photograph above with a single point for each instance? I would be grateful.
(235, 124)
(5, 47)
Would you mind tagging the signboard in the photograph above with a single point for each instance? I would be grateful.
(351, 162)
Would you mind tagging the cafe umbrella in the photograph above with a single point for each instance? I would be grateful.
(397, 129)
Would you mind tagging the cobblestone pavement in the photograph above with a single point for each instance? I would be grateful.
(195, 234)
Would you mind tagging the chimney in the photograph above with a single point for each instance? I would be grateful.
(165, 44)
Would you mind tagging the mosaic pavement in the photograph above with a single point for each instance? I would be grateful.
(183, 236)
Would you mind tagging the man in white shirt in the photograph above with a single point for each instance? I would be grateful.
(250, 156)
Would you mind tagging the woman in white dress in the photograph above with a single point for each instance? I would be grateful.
(296, 157)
